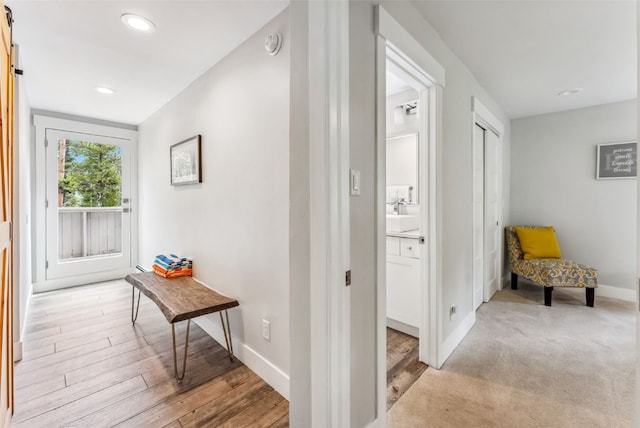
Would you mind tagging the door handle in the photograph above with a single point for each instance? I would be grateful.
(126, 210)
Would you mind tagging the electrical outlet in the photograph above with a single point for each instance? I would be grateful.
(452, 311)
(266, 330)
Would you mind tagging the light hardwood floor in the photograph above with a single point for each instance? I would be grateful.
(403, 367)
(85, 365)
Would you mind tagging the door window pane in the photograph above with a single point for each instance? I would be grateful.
(89, 199)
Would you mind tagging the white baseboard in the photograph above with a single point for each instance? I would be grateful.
(377, 423)
(404, 328)
(628, 294)
(256, 362)
(17, 346)
(454, 339)
(73, 281)
(17, 351)
(25, 316)
(603, 290)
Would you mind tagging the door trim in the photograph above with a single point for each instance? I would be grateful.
(483, 117)
(329, 212)
(42, 123)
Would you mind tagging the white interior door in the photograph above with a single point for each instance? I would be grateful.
(492, 207)
(478, 215)
(88, 197)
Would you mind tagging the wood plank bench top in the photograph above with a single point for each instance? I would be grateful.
(180, 298)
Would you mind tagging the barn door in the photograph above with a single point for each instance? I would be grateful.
(6, 207)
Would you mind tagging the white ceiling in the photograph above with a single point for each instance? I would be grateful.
(525, 52)
(522, 52)
(68, 47)
(395, 84)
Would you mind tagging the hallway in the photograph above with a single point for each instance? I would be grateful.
(84, 364)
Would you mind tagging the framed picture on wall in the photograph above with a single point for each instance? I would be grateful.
(616, 160)
(186, 164)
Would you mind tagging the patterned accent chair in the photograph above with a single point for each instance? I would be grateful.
(549, 272)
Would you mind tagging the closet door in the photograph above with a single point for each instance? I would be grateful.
(492, 206)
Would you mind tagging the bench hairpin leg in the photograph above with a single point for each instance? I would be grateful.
(175, 358)
(227, 334)
(134, 317)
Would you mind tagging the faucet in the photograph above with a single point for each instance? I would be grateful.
(396, 205)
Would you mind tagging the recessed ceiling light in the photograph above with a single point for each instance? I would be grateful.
(138, 23)
(570, 91)
(104, 90)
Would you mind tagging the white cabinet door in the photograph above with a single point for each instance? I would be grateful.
(403, 290)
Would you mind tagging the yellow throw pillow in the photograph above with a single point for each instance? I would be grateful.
(539, 242)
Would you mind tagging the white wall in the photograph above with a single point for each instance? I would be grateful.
(235, 224)
(22, 208)
(553, 160)
(362, 132)
(299, 220)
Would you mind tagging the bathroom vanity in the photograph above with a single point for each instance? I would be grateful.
(403, 281)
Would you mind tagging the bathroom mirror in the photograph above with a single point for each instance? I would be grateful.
(402, 163)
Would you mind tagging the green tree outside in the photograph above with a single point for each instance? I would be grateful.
(92, 174)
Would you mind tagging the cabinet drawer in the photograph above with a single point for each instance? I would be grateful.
(409, 248)
(393, 245)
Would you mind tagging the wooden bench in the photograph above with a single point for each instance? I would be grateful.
(181, 299)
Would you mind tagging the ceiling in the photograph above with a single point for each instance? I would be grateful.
(525, 52)
(395, 84)
(69, 47)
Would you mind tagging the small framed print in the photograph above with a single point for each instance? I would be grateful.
(616, 160)
(186, 163)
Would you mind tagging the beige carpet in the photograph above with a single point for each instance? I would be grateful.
(527, 365)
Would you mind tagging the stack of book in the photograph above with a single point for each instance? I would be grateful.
(171, 266)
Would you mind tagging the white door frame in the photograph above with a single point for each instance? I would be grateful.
(329, 212)
(42, 123)
(417, 66)
(478, 216)
(483, 117)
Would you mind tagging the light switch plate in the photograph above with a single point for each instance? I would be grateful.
(354, 182)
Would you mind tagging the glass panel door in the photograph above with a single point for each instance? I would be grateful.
(88, 214)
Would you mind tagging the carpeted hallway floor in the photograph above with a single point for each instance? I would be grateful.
(527, 365)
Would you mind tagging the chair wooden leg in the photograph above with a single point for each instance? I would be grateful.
(547, 295)
(514, 281)
(591, 293)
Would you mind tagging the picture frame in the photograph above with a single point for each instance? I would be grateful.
(616, 161)
(186, 162)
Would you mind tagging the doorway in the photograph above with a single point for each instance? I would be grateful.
(88, 185)
(84, 203)
(422, 72)
(404, 236)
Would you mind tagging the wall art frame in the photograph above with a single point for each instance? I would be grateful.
(186, 161)
(616, 161)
